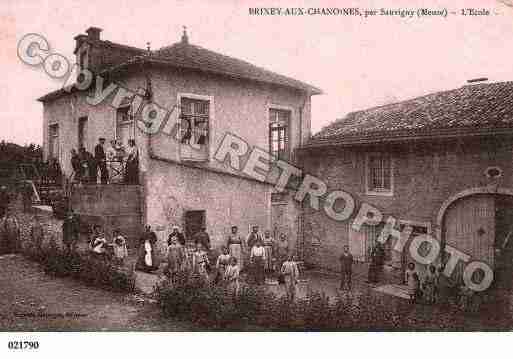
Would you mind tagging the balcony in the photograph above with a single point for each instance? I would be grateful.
(194, 142)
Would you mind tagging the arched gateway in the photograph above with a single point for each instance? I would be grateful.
(479, 222)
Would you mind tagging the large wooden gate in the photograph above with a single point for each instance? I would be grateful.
(469, 226)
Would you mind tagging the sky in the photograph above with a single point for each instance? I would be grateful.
(358, 62)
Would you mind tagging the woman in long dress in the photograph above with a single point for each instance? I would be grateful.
(290, 274)
(235, 245)
(268, 242)
(231, 277)
(147, 260)
(223, 260)
(257, 259)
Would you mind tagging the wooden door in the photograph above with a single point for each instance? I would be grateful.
(469, 226)
(194, 221)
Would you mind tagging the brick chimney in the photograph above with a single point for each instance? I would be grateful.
(93, 33)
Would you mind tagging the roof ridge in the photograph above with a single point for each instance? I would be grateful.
(483, 104)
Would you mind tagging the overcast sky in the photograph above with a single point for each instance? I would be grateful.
(358, 63)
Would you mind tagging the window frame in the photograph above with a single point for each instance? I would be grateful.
(287, 133)
(211, 118)
(374, 192)
(51, 140)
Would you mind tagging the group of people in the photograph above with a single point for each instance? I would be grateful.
(257, 255)
(115, 164)
(99, 246)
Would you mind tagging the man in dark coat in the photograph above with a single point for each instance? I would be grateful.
(346, 263)
(253, 238)
(101, 158)
(377, 258)
(203, 238)
(70, 231)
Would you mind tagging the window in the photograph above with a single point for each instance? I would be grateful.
(278, 197)
(194, 221)
(279, 133)
(123, 124)
(194, 121)
(379, 174)
(53, 143)
(195, 117)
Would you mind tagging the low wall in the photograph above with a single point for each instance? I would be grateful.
(111, 206)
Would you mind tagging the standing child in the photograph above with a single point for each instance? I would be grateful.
(346, 263)
(290, 274)
(175, 257)
(223, 260)
(231, 277)
(200, 262)
(412, 279)
(119, 247)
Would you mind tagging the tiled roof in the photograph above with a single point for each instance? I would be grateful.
(188, 56)
(185, 55)
(474, 108)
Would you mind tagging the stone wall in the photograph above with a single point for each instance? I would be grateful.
(424, 177)
(111, 206)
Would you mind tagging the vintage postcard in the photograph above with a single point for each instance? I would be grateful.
(244, 166)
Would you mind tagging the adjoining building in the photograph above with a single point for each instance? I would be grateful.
(209, 95)
(441, 163)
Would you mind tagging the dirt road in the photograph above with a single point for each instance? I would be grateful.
(33, 301)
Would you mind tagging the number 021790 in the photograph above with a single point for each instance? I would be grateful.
(23, 345)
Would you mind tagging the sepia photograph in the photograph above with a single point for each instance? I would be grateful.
(240, 166)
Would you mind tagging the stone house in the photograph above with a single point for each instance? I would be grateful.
(208, 95)
(441, 163)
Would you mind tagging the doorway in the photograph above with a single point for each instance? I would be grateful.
(194, 221)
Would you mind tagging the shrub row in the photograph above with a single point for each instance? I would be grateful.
(91, 270)
(191, 299)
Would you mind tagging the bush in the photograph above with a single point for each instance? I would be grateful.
(91, 270)
(189, 298)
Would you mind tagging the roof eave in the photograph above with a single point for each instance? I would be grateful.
(371, 139)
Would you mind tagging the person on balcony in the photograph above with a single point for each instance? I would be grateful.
(115, 162)
(101, 160)
(132, 163)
